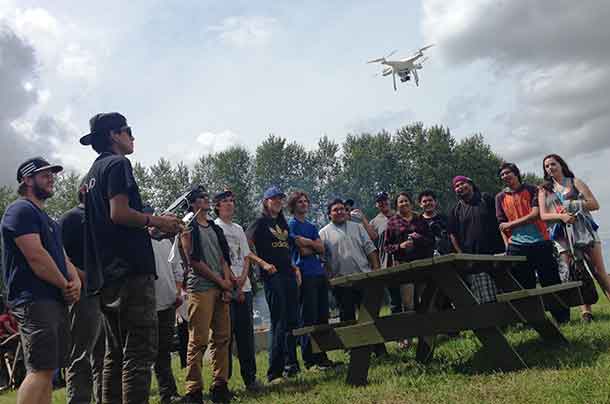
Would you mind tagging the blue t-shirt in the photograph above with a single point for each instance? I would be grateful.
(23, 217)
(309, 265)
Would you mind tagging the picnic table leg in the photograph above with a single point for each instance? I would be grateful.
(531, 310)
(494, 342)
(425, 344)
(360, 358)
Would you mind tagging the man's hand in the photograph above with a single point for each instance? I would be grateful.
(241, 297)
(297, 274)
(406, 244)
(72, 291)
(271, 269)
(179, 300)
(567, 218)
(226, 296)
(505, 226)
(167, 223)
(225, 284)
(301, 241)
(241, 280)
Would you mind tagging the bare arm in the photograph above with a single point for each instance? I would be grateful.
(530, 217)
(455, 243)
(373, 258)
(40, 261)
(121, 213)
(591, 203)
(547, 216)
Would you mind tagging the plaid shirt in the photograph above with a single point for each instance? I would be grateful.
(398, 231)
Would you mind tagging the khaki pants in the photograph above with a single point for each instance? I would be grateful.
(206, 311)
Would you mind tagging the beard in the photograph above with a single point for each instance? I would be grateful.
(41, 193)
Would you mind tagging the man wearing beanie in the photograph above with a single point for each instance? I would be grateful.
(473, 229)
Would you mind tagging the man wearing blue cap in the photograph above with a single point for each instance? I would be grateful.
(269, 236)
(119, 260)
(40, 280)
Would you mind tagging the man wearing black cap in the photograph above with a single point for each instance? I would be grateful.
(119, 260)
(209, 288)
(40, 279)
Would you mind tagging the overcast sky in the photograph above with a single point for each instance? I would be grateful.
(194, 77)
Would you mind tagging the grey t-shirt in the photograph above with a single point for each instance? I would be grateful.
(380, 224)
(347, 246)
(212, 257)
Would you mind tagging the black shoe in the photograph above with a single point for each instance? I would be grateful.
(254, 386)
(587, 317)
(195, 397)
(219, 393)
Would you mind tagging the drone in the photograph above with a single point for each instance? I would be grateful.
(403, 67)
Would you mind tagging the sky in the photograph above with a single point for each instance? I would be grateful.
(195, 77)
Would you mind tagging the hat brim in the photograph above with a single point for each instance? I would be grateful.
(86, 140)
(55, 168)
(281, 194)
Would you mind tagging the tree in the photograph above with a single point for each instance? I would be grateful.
(475, 159)
(65, 196)
(144, 181)
(325, 178)
(7, 196)
(167, 183)
(370, 165)
(279, 163)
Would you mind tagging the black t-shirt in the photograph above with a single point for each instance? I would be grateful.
(438, 227)
(272, 243)
(71, 224)
(113, 251)
(475, 226)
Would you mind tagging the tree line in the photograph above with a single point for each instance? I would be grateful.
(412, 159)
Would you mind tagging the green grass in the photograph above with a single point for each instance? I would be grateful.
(459, 373)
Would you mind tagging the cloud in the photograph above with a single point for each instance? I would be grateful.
(245, 31)
(464, 108)
(555, 53)
(388, 120)
(205, 143)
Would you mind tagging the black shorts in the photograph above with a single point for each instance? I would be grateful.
(44, 328)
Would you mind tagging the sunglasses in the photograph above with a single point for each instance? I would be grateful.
(124, 129)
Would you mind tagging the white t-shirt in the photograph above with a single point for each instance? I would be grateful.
(238, 244)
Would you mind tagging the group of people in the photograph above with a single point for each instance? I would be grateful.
(97, 292)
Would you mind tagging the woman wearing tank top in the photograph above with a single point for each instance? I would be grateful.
(561, 185)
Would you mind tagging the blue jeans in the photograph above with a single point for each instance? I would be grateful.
(281, 292)
(313, 310)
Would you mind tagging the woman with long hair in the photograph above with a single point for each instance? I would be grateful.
(269, 237)
(560, 190)
(408, 238)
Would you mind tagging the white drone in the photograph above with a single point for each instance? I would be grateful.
(403, 67)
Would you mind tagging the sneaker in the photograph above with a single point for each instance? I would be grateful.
(275, 380)
(292, 372)
(327, 363)
(195, 397)
(254, 387)
(174, 399)
(219, 393)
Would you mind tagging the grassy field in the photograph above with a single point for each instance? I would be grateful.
(459, 373)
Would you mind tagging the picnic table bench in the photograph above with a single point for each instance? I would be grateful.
(443, 275)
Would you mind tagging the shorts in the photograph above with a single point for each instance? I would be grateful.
(44, 329)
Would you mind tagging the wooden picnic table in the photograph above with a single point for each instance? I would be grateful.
(443, 275)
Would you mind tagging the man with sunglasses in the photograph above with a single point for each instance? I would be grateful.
(119, 260)
(40, 279)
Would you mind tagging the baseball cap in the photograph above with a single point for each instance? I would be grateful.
(272, 192)
(102, 124)
(222, 195)
(198, 191)
(35, 165)
(382, 196)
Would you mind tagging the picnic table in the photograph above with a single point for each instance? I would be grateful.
(443, 275)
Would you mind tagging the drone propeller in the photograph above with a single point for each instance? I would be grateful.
(383, 58)
(426, 47)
